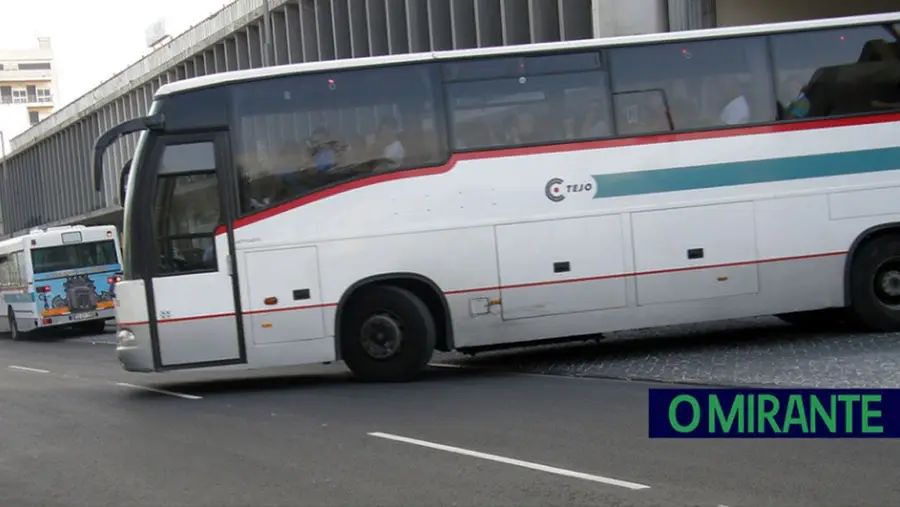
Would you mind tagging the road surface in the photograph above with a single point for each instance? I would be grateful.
(79, 431)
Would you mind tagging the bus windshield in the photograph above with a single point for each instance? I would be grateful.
(82, 255)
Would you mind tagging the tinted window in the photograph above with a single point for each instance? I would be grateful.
(493, 68)
(691, 85)
(191, 157)
(185, 217)
(549, 99)
(9, 271)
(833, 72)
(34, 66)
(58, 258)
(297, 134)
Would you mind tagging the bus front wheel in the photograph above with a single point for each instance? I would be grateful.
(387, 334)
(875, 284)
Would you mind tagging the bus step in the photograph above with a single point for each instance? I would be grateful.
(471, 351)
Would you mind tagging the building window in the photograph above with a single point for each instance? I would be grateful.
(34, 117)
(19, 96)
(35, 66)
(44, 95)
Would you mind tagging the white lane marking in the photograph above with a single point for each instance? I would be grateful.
(25, 368)
(445, 365)
(512, 461)
(160, 391)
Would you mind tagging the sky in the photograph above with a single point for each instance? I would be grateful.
(93, 40)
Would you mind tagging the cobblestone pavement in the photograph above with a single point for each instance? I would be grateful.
(759, 351)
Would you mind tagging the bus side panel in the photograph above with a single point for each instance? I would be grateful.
(713, 254)
(797, 231)
(461, 262)
(557, 267)
(23, 307)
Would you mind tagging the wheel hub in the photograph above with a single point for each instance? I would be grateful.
(890, 283)
(381, 336)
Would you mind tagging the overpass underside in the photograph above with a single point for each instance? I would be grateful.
(47, 179)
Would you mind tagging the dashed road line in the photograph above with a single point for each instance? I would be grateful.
(160, 391)
(512, 461)
(25, 368)
(16, 367)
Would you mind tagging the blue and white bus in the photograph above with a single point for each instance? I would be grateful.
(62, 276)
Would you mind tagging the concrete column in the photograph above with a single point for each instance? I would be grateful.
(614, 17)
(691, 14)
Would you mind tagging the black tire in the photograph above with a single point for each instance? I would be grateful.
(876, 261)
(385, 310)
(828, 319)
(93, 327)
(14, 332)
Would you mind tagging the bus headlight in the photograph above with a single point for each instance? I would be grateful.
(124, 338)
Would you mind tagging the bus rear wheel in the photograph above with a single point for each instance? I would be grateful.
(93, 327)
(387, 334)
(875, 284)
(14, 332)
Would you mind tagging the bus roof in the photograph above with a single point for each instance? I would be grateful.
(90, 233)
(12, 244)
(375, 61)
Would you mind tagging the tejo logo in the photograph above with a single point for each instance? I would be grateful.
(556, 189)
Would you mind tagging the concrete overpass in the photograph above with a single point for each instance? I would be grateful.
(46, 180)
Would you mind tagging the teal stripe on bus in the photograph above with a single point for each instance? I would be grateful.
(744, 173)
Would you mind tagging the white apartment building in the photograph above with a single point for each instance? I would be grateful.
(27, 88)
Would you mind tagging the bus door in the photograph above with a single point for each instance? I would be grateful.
(193, 297)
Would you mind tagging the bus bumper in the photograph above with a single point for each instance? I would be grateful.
(67, 320)
(134, 349)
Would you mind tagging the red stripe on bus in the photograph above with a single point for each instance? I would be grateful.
(521, 285)
(557, 148)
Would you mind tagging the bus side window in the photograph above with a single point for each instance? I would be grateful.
(528, 101)
(4, 271)
(299, 134)
(738, 68)
(850, 70)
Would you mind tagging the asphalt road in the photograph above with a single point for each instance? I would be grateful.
(79, 431)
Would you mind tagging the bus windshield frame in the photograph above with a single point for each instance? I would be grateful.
(88, 254)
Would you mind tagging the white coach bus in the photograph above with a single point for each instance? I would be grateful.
(375, 210)
(61, 276)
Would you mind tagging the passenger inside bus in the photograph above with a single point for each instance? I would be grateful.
(596, 121)
(387, 139)
(521, 129)
(736, 110)
(322, 148)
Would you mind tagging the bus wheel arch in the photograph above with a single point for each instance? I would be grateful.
(874, 248)
(423, 287)
(419, 307)
(868, 235)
